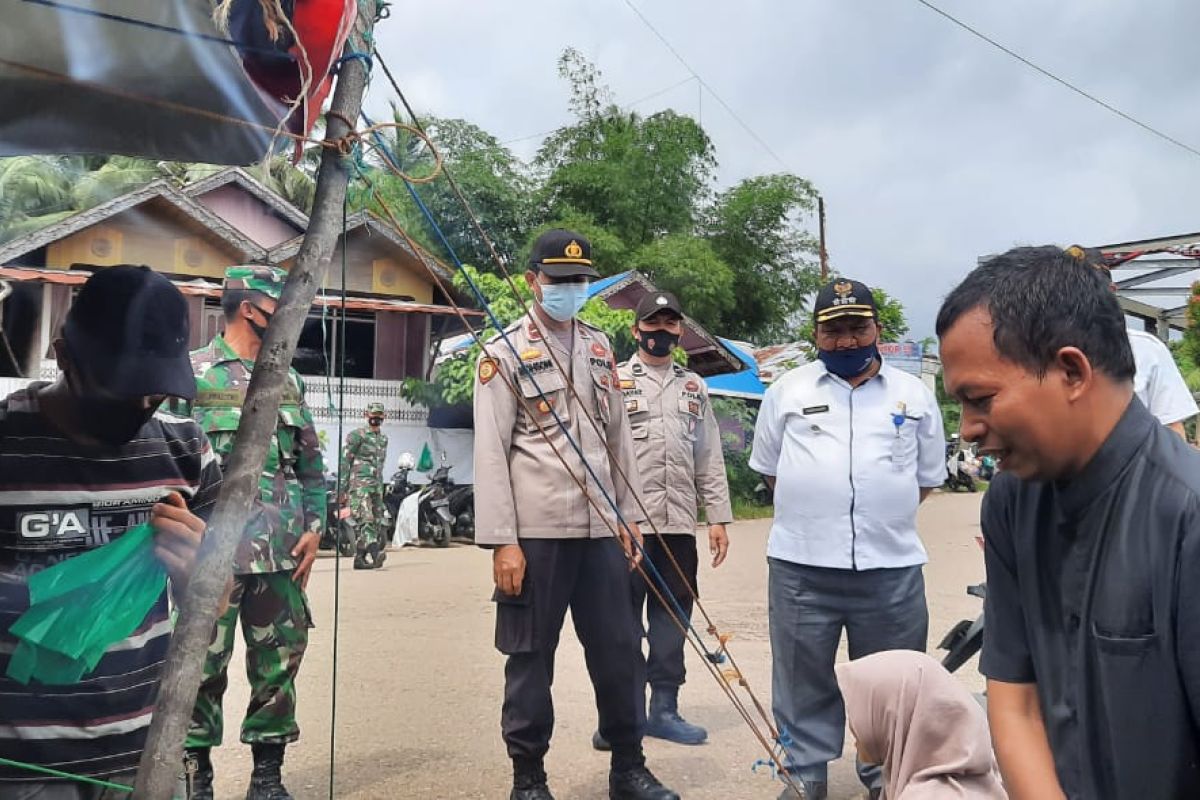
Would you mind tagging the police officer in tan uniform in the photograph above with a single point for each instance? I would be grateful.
(679, 454)
(551, 547)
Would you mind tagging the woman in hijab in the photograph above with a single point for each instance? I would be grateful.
(931, 736)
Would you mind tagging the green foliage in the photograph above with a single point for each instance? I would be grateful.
(638, 177)
(494, 181)
(951, 408)
(754, 228)
(743, 481)
(690, 268)
(455, 380)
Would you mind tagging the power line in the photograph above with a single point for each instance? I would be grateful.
(627, 106)
(678, 57)
(1061, 81)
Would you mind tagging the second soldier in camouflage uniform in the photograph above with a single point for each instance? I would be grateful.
(361, 483)
(276, 553)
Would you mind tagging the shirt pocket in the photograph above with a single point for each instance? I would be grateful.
(639, 419)
(689, 417)
(543, 396)
(903, 445)
(287, 439)
(602, 386)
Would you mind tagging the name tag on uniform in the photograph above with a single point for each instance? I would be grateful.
(816, 410)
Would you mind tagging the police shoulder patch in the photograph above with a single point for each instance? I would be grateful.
(487, 369)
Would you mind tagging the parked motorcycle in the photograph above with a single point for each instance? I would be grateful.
(957, 476)
(966, 638)
(435, 521)
(339, 530)
(399, 489)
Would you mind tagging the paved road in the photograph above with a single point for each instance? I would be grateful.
(419, 684)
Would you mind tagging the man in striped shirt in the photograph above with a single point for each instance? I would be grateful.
(82, 461)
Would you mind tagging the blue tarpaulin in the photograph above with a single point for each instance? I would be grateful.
(744, 384)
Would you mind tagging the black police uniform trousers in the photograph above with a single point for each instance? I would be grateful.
(592, 578)
(664, 668)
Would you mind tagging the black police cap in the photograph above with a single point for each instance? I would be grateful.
(563, 254)
(655, 302)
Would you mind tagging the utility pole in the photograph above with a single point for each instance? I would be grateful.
(824, 252)
(162, 760)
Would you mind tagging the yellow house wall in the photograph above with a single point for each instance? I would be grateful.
(143, 240)
(140, 238)
(384, 276)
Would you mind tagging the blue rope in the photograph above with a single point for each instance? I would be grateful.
(383, 146)
(368, 62)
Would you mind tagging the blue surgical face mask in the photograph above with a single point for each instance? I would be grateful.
(562, 301)
(849, 363)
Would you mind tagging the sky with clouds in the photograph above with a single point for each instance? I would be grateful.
(929, 146)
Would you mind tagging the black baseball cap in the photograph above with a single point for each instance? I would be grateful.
(128, 332)
(655, 302)
(563, 254)
(844, 298)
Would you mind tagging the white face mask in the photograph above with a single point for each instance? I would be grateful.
(562, 301)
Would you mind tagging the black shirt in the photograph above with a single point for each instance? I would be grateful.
(1094, 594)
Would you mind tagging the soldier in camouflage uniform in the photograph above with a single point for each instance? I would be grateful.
(361, 482)
(273, 561)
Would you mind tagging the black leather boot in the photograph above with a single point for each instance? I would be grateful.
(198, 770)
(360, 559)
(378, 554)
(630, 780)
(529, 780)
(266, 783)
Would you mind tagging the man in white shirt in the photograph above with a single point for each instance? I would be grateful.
(851, 447)
(1157, 381)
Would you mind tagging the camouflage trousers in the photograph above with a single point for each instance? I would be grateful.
(369, 514)
(275, 622)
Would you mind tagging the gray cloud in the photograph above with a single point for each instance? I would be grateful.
(930, 147)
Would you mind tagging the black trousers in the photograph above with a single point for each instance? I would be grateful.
(591, 577)
(664, 667)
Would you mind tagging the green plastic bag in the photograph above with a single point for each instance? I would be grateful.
(425, 463)
(83, 606)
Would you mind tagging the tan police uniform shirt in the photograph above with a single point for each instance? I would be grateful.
(678, 445)
(522, 488)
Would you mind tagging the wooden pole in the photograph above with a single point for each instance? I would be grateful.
(824, 252)
(162, 759)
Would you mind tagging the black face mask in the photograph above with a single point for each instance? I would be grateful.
(259, 330)
(657, 343)
(375, 421)
(114, 422)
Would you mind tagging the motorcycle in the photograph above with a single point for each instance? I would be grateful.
(435, 521)
(399, 489)
(340, 531)
(966, 638)
(957, 476)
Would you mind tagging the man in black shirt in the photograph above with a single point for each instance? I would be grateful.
(1092, 530)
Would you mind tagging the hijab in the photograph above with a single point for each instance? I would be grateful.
(931, 734)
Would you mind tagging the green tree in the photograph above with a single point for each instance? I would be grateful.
(951, 408)
(639, 177)
(893, 326)
(690, 268)
(754, 227)
(493, 180)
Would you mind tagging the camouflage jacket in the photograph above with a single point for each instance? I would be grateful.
(292, 487)
(363, 461)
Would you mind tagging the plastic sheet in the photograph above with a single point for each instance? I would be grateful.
(82, 606)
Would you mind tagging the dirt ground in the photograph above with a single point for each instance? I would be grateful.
(419, 684)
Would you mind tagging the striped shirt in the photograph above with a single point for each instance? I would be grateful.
(59, 499)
